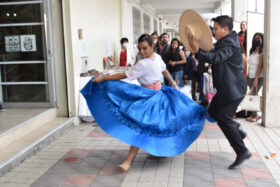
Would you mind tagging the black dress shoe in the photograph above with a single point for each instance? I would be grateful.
(242, 133)
(239, 159)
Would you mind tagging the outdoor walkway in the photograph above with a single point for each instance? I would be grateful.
(86, 156)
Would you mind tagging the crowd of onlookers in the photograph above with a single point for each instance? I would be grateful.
(186, 70)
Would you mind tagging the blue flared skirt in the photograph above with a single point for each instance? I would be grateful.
(163, 123)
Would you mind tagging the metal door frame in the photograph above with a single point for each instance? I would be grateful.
(50, 69)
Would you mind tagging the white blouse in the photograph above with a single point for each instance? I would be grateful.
(147, 70)
(253, 62)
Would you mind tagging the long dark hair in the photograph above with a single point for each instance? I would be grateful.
(177, 49)
(253, 48)
(147, 38)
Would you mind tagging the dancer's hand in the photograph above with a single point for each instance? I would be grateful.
(193, 43)
(98, 79)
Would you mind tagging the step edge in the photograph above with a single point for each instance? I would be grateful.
(29, 147)
(26, 122)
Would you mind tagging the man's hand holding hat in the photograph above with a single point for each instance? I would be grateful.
(193, 43)
(194, 31)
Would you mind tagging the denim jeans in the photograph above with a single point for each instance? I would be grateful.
(178, 76)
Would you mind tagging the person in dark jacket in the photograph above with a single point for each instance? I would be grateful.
(229, 80)
(176, 60)
(189, 68)
(163, 50)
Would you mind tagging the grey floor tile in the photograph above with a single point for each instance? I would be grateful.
(197, 164)
(197, 174)
(261, 183)
(106, 154)
(226, 173)
(51, 179)
(222, 156)
(198, 182)
(95, 160)
(221, 163)
(214, 134)
(107, 181)
(43, 185)
(221, 159)
(253, 164)
(86, 168)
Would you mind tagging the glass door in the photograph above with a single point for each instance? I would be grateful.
(25, 56)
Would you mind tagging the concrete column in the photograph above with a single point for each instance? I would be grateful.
(238, 10)
(271, 89)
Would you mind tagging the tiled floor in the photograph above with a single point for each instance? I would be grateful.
(86, 156)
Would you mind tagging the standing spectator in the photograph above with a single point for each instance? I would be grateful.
(195, 78)
(156, 41)
(189, 68)
(255, 72)
(176, 61)
(208, 86)
(125, 55)
(242, 36)
(163, 50)
(164, 47)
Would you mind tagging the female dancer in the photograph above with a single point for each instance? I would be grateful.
(157, 118)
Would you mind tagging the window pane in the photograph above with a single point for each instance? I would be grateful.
(155, 25)
(251, 5)
(20, 13)
(22, 43)
(260, 6)
(136, 23)
(24, 93)
(147, 23)
(23, 72)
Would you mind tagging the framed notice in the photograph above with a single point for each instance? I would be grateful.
(12, 43)
(28, 43)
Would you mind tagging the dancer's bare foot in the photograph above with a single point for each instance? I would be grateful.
(124, 166)
(129, 159)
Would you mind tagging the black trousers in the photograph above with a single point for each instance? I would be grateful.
(223, 114)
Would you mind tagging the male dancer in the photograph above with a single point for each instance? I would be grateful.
(229, 80)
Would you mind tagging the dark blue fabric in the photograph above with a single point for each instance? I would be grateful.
(164, 123)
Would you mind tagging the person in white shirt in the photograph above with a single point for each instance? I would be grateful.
(208, 86)
(148, 72)
(125, 55)
(255, 70)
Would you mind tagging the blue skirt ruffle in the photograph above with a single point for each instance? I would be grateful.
(164, 123)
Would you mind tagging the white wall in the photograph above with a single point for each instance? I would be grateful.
(271, 64)
(59, 59)
(255, 24)
(127, 20)
(101, 25)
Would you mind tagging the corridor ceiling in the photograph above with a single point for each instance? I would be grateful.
(170, 10)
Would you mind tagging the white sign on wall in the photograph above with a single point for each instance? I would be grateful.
(12, 43)
(28, 43)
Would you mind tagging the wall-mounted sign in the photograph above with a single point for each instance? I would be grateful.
(12, 43)
(28, 43)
